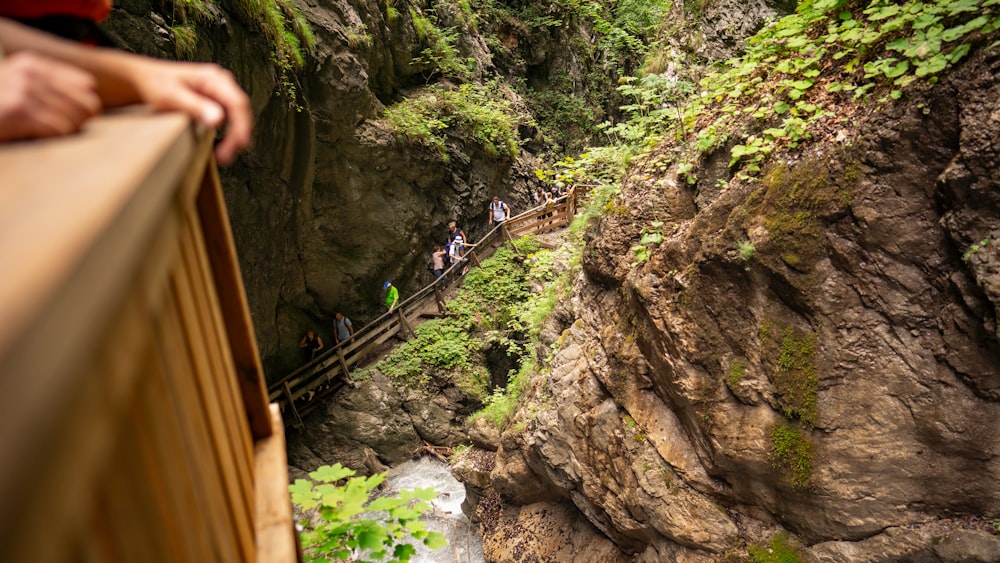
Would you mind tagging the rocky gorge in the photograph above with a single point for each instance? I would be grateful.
(805, 361)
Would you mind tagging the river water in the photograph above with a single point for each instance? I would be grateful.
(465, 545)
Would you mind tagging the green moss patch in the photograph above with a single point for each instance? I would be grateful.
(793, 203)
(795, 378)
(778, 550)
(735, 374)
(792, 454)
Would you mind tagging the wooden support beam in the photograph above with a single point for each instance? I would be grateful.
(291, 404)
(343, 365)
(405, 326)
(439, 298)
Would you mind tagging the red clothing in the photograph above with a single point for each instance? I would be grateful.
(94, 10)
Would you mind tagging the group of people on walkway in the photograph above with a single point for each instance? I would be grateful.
(312, 343)
(453, 252)
(454, 249)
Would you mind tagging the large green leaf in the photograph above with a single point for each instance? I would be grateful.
(435, 540)
(331, 473)
(373, 538)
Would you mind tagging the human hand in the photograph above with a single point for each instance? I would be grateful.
(42, 97)
(206, 92)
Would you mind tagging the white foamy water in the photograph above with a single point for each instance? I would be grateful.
(465, 545)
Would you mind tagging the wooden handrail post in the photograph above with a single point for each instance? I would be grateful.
(291, 404)
(405, 326)
(343, 365)
(439, 298)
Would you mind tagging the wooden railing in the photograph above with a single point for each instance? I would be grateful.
(136, 425)
(300, 391)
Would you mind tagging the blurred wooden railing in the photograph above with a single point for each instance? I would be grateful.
(136, 426)
(300, 391)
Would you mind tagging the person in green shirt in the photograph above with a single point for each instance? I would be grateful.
(391, 296)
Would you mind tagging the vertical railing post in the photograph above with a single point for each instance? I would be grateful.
(439, 298)
(405, 326)
(291, 404)
(343, 365)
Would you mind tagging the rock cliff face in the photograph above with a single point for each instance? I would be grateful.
(817, 352)
(839, 378)
(329, 203)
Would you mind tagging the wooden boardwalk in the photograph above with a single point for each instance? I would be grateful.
(302, 390)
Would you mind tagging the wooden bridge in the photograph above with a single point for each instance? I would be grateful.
(136, 426)
(300, 391)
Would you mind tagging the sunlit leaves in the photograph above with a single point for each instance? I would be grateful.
(352, 524)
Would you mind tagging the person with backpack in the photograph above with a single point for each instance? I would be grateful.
(343, 330)
(498, 211)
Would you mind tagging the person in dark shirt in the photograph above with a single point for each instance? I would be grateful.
(310, 344)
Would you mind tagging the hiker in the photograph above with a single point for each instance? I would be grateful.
(391, 296)
(455, 250)
(457, 253)
(437, 262)
(343, 330)
(457, 241)
(498, 211)
(52, 86)
(310, 344)
(454, 231)
(536, 197)
(549, 202)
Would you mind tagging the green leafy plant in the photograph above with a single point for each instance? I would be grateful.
(480, 111)
(440, 53)
(974, 248)
(281, 23)
(352, 522)
(746, 250)
(501, 406)
(358, 36)
(775, 96)
(185, 40)
(649, 237)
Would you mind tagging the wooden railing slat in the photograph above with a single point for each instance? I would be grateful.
(236, 487)
(208, 332)
(177, 360)
(235, 309)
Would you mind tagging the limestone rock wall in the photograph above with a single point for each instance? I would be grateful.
(862, 333)
(329, 204)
